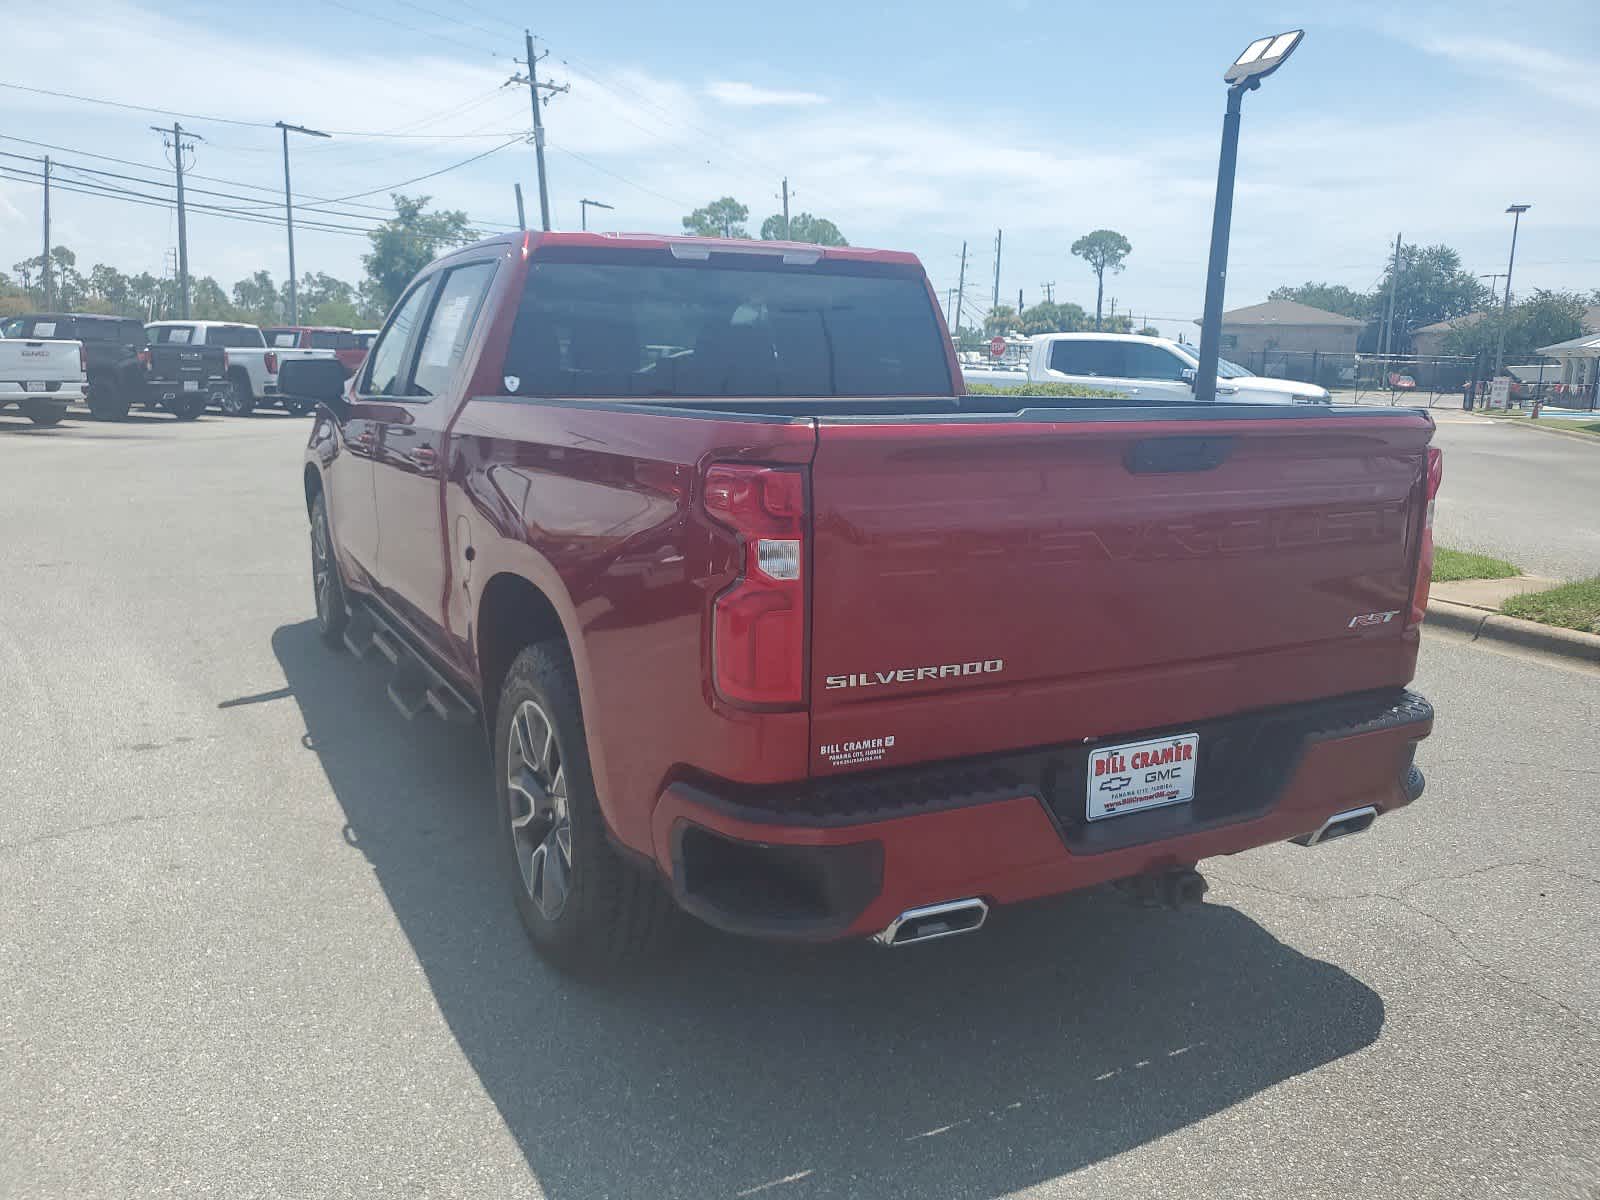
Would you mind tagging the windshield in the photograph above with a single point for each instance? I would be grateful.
(1225, 369)
(747, 327)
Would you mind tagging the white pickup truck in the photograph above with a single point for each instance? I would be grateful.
(1143, 368)
(252, 368)
(41, 377)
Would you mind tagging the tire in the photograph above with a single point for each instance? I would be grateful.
(107, 400)
(43, 412)
(237, 400)
(585, 907)
(327, 588)
(298, 408)
(189, 407)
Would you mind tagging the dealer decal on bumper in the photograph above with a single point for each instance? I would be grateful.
(853, 754)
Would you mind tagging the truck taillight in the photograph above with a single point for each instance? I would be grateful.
(1419, 590)
(269, 360)
(758, 624)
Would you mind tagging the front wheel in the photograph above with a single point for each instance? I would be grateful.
(333, 611)
(584, 906)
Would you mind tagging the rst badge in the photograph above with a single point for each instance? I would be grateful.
(1365, 620)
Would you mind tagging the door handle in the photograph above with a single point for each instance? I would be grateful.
(364, 439)
(423, 457)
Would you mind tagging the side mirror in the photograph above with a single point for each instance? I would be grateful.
(320, 380)
(1188, 374)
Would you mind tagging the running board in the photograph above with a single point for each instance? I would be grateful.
(415, 686)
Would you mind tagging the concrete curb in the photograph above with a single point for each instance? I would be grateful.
(1540, 426)
(1487, 625)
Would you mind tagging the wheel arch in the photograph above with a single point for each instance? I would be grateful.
(312, 480)
(512, 613)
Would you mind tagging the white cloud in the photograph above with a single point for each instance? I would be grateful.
(1556, 75)
(747, 95)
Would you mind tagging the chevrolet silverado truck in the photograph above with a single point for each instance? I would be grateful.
(1142, 368)
(764, 619)
(249, 367)
(41, 377)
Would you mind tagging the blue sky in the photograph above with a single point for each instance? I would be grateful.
(911, 126)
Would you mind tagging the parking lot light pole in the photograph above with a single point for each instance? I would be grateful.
(1516, 211)
(288, 209)
(1260, 58)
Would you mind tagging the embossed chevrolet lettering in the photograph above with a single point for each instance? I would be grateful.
(988, 666)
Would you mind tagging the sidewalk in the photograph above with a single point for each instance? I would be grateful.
(1489, 594)
(1472, 606)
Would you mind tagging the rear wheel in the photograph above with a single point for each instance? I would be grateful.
(43, 412)
(189, 406)
(333, 612)
(584, 906)
(107, 399)
(237, 400)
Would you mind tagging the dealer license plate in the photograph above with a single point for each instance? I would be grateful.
(33, 385)
(191, 385)
(1140, 775)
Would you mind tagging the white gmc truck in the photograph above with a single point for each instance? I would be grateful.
(41, 377)
(1143, 368)
(252, 368)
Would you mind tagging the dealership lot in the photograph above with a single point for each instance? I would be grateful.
(254, 945)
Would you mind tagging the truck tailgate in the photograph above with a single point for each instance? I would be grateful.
(993, 583)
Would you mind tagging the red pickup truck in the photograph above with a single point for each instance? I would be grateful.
(764, 619)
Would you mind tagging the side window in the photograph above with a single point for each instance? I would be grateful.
(133, 333)
(1083, 356)
(1153, 362)
(386, 365)
(450, 327)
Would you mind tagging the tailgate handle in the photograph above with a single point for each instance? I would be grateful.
(1160, 455)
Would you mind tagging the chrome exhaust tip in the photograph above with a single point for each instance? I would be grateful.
(1357, 820)
(934, 921)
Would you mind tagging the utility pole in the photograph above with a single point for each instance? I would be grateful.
(585, 205)
(786, 208)
(1019, 302)
(522, 219)
(178, 147)
(961, 287)
(1049, 291)
(288, 211)
(534, 88)
(997, 234)
(949, 305)
(1394, 286)
(47, 233)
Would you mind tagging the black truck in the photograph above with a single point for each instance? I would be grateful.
(182, 377)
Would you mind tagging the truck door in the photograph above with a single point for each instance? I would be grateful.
(411, 457)
(379, 389)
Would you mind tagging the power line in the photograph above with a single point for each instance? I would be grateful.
(589, 162)
(379, 15)
(215, 120)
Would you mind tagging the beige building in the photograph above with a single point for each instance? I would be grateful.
(1287, 327)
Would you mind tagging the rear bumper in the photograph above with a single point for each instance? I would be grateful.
(63, 392)
(844, 857)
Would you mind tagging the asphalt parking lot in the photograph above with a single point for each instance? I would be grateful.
(253, 945)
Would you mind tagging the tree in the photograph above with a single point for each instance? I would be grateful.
(1432, 288)
(207, 300)
(720, 218)
(1002, 319)
(1104, 250)
(68, 289)
(109, 285)
(1330, 297)
(406, 243)
(803, 227)
(1148, 331)
(324, 300)
(257, 300)
(1541, 320)
(1049, 317)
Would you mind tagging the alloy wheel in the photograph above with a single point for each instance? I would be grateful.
(541, 825)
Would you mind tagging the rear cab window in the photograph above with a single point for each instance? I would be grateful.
(283, 339)
(322, 339)
(172, 335)
(42, 328)
(644, 324)
(234, 337)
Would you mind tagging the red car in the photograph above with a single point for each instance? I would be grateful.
(346, 344)
(764, 619)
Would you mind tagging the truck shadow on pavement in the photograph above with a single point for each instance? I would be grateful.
(1062, 1035)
